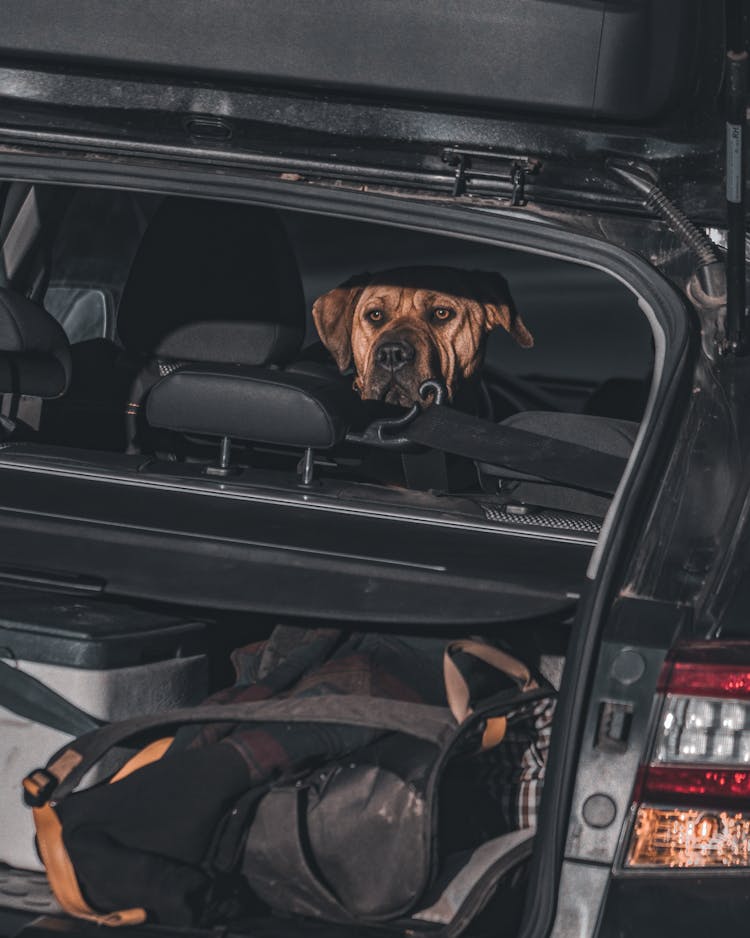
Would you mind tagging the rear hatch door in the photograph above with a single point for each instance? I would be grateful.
(449, 97)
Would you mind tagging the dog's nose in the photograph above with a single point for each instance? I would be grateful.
(394, 355)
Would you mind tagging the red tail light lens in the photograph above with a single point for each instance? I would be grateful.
(708, 669)
(695, 786)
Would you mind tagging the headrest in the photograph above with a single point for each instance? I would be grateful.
(213, 281)
(255, 404)
(245, 343)
(34, 351)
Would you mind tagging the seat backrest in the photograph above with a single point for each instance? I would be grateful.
(213, 281)
(34, 363)
(603, 435)
(210, 281)
(34, 352)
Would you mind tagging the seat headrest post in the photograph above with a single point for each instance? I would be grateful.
(306, 467)
(224, 466)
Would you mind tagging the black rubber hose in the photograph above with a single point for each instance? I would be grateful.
(654, 199)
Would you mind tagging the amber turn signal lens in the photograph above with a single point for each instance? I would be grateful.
(698, 770)
(676, 838)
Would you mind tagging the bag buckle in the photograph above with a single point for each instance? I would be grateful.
(38, 787)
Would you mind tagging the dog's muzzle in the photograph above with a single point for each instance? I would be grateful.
(400, 362)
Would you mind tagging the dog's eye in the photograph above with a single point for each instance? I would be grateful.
(442, 313)
(374, 315)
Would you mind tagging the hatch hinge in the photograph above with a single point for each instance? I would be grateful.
(480, 168)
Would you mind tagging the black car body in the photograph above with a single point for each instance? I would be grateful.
(593, 132)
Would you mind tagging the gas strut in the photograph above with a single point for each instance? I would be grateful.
(716, 280)
(736, 104)
(710, 272)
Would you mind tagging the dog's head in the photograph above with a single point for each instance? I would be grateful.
(403, 326)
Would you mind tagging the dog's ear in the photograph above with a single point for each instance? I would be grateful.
(333, 314)
(492, 291)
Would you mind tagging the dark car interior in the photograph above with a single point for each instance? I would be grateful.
(191, 492)
(145, 286)
(164, 345)
(182, 445)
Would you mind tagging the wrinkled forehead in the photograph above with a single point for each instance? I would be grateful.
(393, 298)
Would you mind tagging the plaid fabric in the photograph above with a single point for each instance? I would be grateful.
(513, 772)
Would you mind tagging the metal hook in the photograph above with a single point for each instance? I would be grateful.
(382, 432)
(434, 387)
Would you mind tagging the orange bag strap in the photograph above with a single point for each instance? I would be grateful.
(57, 863)
(151, 753)
(457, 690)
(62, 876)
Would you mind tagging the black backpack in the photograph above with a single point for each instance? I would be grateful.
(397, 810)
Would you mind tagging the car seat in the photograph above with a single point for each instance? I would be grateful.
(211, 281)
(602, 435)
(34, 363)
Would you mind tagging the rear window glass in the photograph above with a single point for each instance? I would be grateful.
(587, 327)
(592, 352)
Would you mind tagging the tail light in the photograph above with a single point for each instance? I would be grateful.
(693, 794)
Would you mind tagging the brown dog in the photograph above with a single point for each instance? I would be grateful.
(403, 326)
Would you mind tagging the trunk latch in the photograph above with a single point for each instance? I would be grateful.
(474, 165)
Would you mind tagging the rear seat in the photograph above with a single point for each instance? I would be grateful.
(602, 434)
(211, 281)
(35, 362)
(312, 408)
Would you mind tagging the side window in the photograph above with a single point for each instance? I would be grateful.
(91, 257)
(83, 312)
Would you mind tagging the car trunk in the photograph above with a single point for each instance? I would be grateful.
(245, 552)
(158, 537)
(91, 651)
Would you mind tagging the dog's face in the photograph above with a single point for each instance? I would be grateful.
(403, 326)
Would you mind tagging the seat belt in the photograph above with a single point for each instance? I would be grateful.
(29, 698)
(542, 458)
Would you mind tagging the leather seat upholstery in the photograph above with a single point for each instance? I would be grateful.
(34, 351)
(276, 407)
(35, 364)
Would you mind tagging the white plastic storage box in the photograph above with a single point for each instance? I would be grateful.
(110, 660)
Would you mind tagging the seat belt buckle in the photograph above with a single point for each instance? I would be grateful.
(38, 788)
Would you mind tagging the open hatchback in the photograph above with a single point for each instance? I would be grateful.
(185, 469)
